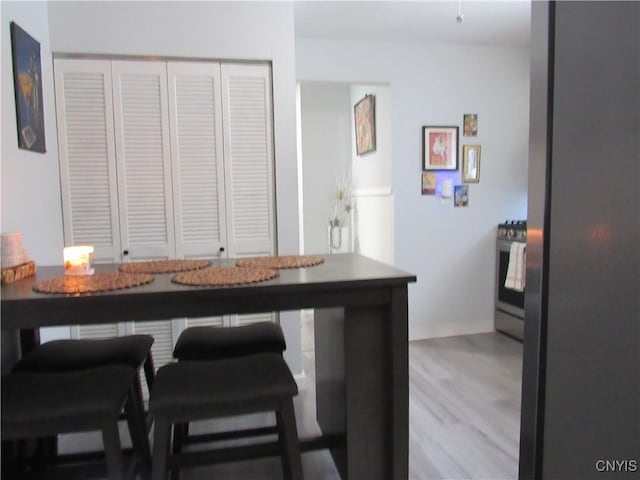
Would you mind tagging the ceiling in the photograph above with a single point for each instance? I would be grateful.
(497, 22)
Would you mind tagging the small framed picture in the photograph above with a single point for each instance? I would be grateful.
(471, 163)
(439, 148)
(461, 195)
(470, 125)
(365, 120)
(428, 183)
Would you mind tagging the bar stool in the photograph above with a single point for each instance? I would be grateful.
(189, 391)
(35, 405)
(215, 343)
(74, 354)
(133, 351)
(219, 343)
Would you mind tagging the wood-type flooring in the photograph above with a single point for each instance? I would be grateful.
(464, 415)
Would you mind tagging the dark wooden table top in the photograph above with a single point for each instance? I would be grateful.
(343, 279)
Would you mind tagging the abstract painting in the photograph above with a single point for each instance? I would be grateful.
(27, 79)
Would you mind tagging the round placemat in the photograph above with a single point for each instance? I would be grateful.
(163, 266)
(283, 261)
(100, 282)
(217, 277)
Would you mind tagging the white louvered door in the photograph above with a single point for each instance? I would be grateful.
(248, 142)
(143, 155)
(143, 158)
(84, 111)
(195, 112)
(166, 160)
(248, 147)
(87, 156)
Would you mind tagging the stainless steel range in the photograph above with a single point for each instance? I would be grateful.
(509, 303)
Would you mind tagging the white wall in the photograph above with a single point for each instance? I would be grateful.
(211, 30)
(326, 152)
(372, 174)
(451, 250)
(30, 181)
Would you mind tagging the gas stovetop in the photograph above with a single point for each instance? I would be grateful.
(513, 230)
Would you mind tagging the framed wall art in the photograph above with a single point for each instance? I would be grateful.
(365, 121)
(27, 82)
(471, 163)
(461, 195)
(470, 125)
(439, 148)
(428, 183)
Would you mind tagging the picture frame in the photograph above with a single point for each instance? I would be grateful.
(470, 125)
(27, 82)
(461, 196)
(428, 183)
(471, 163)
(439, 148)
(364, 113)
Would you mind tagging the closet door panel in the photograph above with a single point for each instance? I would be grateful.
(143, 159)
(164, 334)
(87, 156)
(195, 112)
(248, 145)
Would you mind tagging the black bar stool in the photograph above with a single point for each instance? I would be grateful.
(190, 390)
(215, 343)
(36, 405)
(219, 343)
(133, 351)
(74, 354)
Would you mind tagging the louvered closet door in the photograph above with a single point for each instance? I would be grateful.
(84, 111)
(195, 112)
(143, 155)
(248, 146)
(143, 159)
(87, 156)
(248, 128)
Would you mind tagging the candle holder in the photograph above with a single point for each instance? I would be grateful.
(78, 259)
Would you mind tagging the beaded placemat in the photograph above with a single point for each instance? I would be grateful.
(282, 261)
(214, 277)
(99, 282)
(163, 266)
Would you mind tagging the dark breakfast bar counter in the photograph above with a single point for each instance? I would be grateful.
(362, 372)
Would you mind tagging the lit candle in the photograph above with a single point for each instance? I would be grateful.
(77, 260)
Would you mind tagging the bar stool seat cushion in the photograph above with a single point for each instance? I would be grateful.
(208, 389)
(47, 403)
(67, 355)
(214, 343)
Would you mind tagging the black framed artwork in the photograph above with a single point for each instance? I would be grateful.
(439, 148)
(27, 81)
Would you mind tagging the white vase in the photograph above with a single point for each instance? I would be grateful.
(339, 240)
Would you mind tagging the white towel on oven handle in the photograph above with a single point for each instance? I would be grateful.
(516, 274)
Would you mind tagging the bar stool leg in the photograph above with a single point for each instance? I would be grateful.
(112, 449)
(160, 449)
(149, 371)
(288, 438)
(137, 431)
(180, 432)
